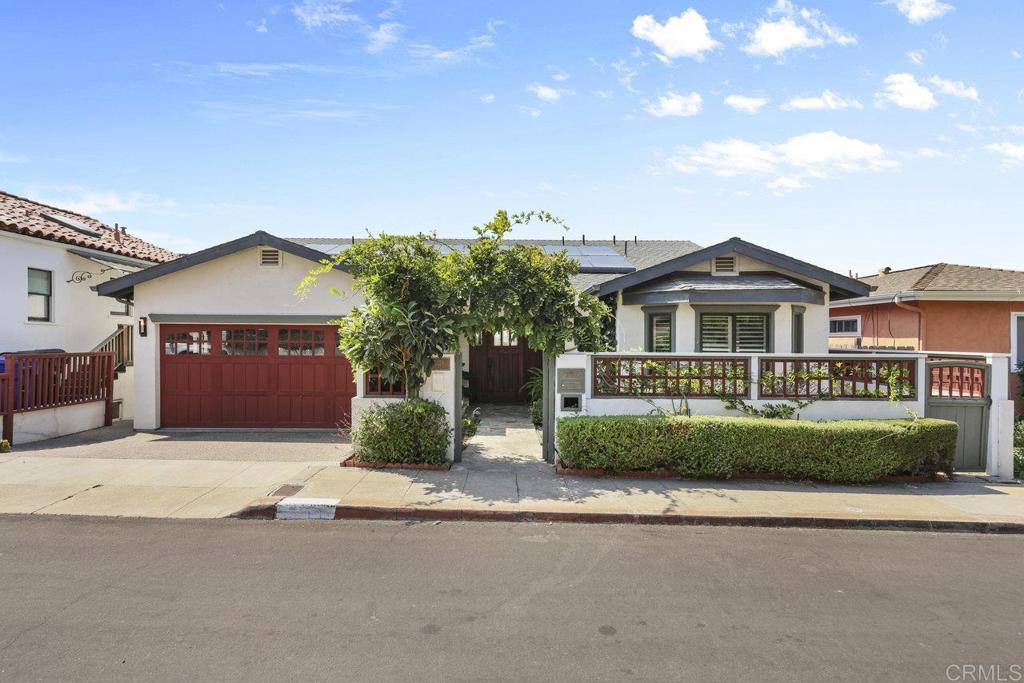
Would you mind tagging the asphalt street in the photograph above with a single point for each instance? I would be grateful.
(223, 600)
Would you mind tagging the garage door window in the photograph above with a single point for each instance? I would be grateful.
(300, 342)
(245, 341)
(195, 343)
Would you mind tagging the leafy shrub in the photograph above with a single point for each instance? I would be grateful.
(5, 446)
(1018, 445)
(470, 422)
(410, 431)
(537, 412)
(721, 447)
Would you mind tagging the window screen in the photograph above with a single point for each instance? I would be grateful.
(734, 332)
(844, 326)
(659, 333)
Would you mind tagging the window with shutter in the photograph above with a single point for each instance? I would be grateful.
(661, 332)
(734, 332)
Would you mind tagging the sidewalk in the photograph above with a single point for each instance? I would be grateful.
(492, 489)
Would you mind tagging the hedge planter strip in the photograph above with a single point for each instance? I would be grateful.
(851, 451)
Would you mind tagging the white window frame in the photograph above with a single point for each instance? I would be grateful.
(1014, 341)
(845, 334)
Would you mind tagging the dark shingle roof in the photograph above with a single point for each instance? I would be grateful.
(641, 254)
(28, 217)
(946, 277)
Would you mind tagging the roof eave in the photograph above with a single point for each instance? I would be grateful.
(125, 285)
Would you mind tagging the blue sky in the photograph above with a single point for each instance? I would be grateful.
(850, 134)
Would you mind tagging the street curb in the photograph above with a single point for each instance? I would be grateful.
(763, 521)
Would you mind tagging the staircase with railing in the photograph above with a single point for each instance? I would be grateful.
(119, 343)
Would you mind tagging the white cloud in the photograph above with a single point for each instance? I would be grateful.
(903, 90)
(954, 88)
(786, 183)
(826, 100)
(796, 28)
(487, 98)
(560, 76)
(262, 70)
(91, 202)
(920, 11)
(545, 92)
(966, 127)
(1015, 129)
(604, 94)
(1015, 54)
(674, 104)
(258, 26)
(1012, 154)
(321, 13)
(532, 112)
(916, 57)
(383, 37)
(475, 44)
(745, 103)
(790, 163)
(684, 36)
(930, 153)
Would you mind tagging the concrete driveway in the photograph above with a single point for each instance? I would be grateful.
(121, 441)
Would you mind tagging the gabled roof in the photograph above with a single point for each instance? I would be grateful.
(35, 219)
(947, 277)
(640, 253)
(840, 286)
(123, 286)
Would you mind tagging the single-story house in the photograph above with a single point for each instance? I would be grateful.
(223, 341)
(941, 307)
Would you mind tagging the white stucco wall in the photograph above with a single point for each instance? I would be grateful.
(81, 318)
(630, 319)
(440, 387)
(232, 285)
(823, 410)
(37, 425)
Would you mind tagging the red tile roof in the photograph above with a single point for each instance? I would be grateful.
(28, 217)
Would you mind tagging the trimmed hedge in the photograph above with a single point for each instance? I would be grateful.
(5, 446)
(721, 447)
(414, 430)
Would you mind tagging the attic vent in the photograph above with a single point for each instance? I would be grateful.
(270, 258)
(77, 226)
(724, 265)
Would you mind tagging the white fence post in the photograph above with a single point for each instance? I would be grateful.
(999, 459)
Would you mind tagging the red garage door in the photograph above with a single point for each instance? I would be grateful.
(253, 376)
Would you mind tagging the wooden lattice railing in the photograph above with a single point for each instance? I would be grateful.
(647, 376)
(838, 378)
(966, 381)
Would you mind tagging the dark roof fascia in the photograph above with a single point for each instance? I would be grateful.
(96, 255)
(720, 296)
(124, 285)
(846, 286)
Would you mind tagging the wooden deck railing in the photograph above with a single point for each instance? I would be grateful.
(39, 381)
(838, 378)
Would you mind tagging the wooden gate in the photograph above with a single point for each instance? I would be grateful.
(960, 391)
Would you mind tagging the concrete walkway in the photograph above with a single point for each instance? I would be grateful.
(501, 473)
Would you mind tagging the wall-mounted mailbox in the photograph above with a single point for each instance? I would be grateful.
(572, 403)
(571, 380)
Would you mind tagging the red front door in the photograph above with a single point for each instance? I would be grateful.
(499, 367)
(253, 376)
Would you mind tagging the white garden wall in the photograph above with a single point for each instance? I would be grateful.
(37, 425)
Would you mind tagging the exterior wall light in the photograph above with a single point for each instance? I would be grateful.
(143, 326)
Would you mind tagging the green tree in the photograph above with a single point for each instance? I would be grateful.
(421, 294)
